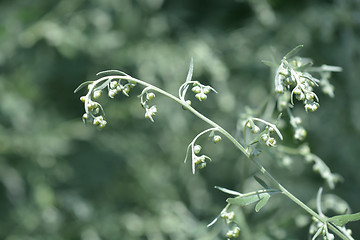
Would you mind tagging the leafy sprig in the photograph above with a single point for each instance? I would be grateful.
(292, 77)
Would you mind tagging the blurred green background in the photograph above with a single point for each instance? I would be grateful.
(61, 179)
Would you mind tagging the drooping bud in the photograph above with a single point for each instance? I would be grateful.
(97, 94)
(197, 149)
(216, 138)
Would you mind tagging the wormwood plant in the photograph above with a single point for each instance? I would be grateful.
(296, 79)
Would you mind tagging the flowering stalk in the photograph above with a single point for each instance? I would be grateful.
(114, 84)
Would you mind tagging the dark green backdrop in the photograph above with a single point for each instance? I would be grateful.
(60, 179)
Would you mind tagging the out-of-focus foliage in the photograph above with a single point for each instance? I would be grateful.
(60, 179)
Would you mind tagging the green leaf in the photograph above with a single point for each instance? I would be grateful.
(341, 220)
(228, 191)
(244, 200)
(112, 71)
(293, 51)
(270, 63)
(261, 182)
(262, 197)
(262, 202)
(82, 85)
(190, 72)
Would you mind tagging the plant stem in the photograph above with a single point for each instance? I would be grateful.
(238, 145)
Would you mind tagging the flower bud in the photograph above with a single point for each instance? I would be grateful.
(97, 94)
(216, 139)
(119, 88)
(290, 80)
(297, 91)
(271, 142)
(279, 88)
(201, 165)
(92, 106)
(265, 137)
(255, 129)
(197, 149)
(150, 112)
(112, 93)
(300, 96)
(132, 84)
(98, 120)
(113, 84)
(236, 232)
(83, 98)
(85, 117)
(300, 133)
(126, 90)
(231, 216)
(201, 96)
(196, 89)
(150, 96)
(102, 124)
(309, 96)
(96, 110)
(206, 89)
(311, 106)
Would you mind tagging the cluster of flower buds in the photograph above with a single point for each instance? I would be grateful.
(199, 161)
(115, 87)
(228, 216)
(318, 227)
(229, 219)
(268, 140)
(201, 91)
(234, 233)
(289, 77)
(265, 136)
(300, 132)
(150, 112)
(93, 113)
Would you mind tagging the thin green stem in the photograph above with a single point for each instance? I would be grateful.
(239, 146)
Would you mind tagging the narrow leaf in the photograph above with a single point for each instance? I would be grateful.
(111, 71)
(262, 202)
(228, 191)
(341, 220)
(293, 51)
(82, 85)
(190, 72)
(270, 63)
(261, 182)
(331, 68)
(244, 200)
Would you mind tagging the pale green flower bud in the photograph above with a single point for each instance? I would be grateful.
(271, 142)
(201, 96)
(197, 149)
(150, 112)
(300, 96)
(216, 139)
(150, 96)
(98, 120)
(311, 106)
(126, 90)
(300, 133)
(97, 94)
(113, 84)
(196, 89)
(112, 93)
(206, 89)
